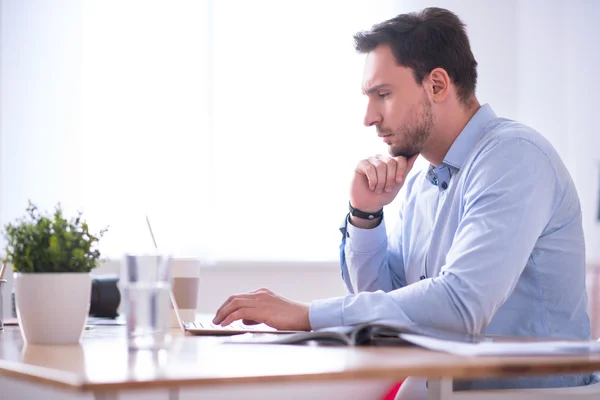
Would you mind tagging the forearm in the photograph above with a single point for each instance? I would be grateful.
(430, 302)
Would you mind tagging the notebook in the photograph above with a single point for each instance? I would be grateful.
(207, 328)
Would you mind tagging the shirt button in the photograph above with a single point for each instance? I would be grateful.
(444, 186)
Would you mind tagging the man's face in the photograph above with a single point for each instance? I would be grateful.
(398, 107)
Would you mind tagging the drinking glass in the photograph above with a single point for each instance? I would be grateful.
(146, 285)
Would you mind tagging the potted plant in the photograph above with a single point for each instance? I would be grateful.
(52, 258)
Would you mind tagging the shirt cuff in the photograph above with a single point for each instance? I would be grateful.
(366, 240)
(326, 313)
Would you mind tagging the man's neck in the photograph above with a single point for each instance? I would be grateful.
(447, 131)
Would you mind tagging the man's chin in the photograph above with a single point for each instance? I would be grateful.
(406, 153)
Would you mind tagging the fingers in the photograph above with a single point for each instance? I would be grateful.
(366, 168)
(262, 290)
(383, 173)
(266, 307)
(237, 302)
(232, 304)
(242, 313)
(401, 169)
(404, 165)
(226, 303)
(391, 172)
(376, 170)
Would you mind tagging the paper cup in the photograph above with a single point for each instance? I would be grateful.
(186, 276)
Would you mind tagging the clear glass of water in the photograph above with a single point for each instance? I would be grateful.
(146, 284)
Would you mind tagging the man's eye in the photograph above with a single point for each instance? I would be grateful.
(383, 95)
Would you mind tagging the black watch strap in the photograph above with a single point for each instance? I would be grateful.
(365, 215)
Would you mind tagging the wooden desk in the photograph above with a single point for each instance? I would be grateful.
(102, 365)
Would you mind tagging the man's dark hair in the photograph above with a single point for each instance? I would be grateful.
(423, 41)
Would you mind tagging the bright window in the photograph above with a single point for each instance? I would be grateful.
(235, 125)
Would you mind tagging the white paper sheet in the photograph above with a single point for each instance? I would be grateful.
(490, 348)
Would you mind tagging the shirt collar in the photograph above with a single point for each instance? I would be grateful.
(469, 136)
(460, 149)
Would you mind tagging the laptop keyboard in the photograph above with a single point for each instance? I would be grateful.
(234, 326)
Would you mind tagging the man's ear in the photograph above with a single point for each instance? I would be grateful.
(440, 84)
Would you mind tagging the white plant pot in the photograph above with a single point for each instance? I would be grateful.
(52, 308)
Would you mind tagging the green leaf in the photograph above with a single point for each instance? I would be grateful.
(42, 242)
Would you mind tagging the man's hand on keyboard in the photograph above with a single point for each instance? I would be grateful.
(264, 306)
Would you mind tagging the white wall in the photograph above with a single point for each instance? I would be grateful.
(558, 62)
(40, 92)
(583, 61)
(40, 77)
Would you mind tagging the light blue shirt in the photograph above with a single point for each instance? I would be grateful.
(489, 241)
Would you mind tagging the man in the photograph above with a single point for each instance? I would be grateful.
(489, 237)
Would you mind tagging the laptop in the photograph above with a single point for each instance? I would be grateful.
(205, 327)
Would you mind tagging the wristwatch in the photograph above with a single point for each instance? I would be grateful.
(364, 215)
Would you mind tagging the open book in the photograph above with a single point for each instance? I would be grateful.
(393, 334)
(373, 334)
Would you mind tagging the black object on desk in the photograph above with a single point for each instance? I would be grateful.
(105, 297)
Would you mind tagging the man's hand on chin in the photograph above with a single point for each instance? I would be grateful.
(264, 306)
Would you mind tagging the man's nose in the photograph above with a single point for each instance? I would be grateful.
(372, 117)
